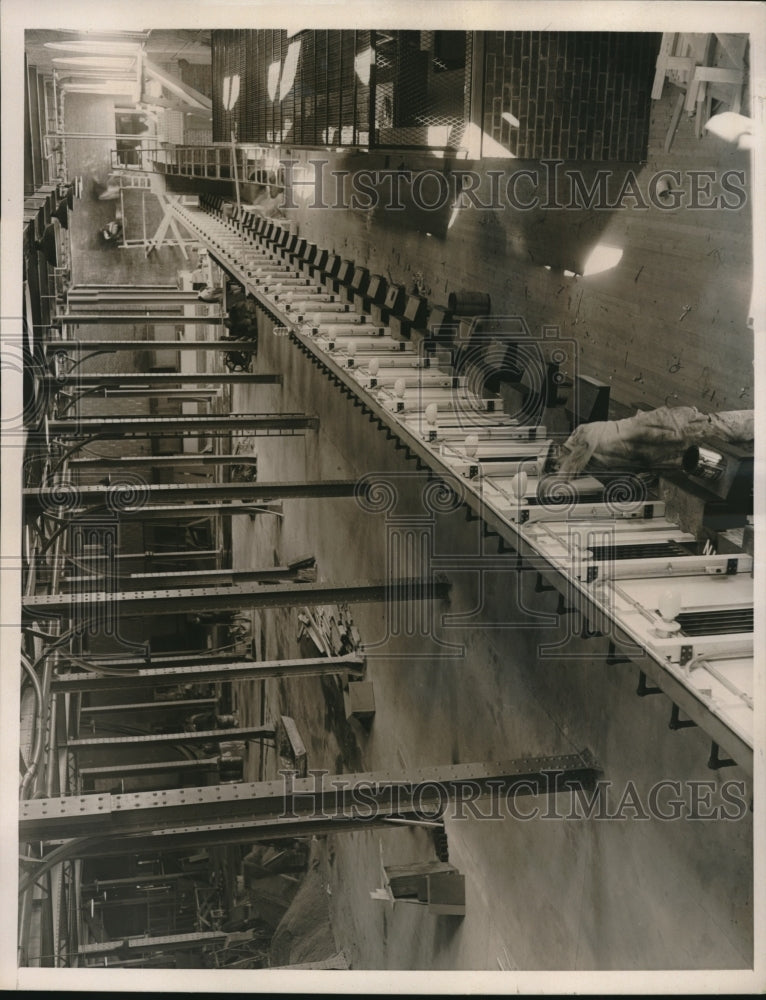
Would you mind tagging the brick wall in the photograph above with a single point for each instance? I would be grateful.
(577, 95)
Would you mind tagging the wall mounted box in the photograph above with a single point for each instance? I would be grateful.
(395, 299)
(359, 700)
(377, 288)
(360, 279)
(345, 272)
(332, 266)
(588, 402)
(416, 310)
(441, 325)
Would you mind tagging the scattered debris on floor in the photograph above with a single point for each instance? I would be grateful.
(305, 934)
(331, 628)
(247, 472)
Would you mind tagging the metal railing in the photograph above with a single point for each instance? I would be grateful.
(255, 164)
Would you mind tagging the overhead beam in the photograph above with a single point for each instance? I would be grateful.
(108, 346)
(179, 658)
(138, 494)
(153, 512)
(181, 393)
(116, 319)
(144, 679)
(99, 884)
(135, 604)
(125, 379)
(356, 798)
(181, 705)
(163, 739)
(96, 296)
(201, 460)
(116, 427)
(194, 98)
(211, 577)
(168, 942)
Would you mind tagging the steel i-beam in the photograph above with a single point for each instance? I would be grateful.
(181, 705)
(163, 739)
(159, 461)
(108, 346)
(116, 427)
(137, 603)
(115, 319)
(130, 770)
(249, 808)
(211, 577)
(200, 673)
(137, 495)
(86, 380)
(191, 941)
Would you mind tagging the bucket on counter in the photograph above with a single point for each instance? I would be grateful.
(467, 303)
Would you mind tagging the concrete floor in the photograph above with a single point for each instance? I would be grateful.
(544, 894)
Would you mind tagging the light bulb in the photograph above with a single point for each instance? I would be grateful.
(472, 444)
(399, 386)
(669, 605)
(430, 414)
(374, 366)
(519, 484)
